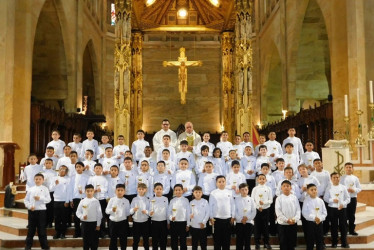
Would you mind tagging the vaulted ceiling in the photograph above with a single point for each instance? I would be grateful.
(202, 15)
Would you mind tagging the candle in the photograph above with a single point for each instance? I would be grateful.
(358, 99)
(371, 91)
(346, 105)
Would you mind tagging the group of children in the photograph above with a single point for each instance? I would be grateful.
(202, 191)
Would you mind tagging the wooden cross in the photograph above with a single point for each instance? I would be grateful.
(182, 63)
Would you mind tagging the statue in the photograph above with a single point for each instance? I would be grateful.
(182, 63)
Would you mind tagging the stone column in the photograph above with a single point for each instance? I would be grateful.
(137, 83)
(243, 62)
(122, 69)
(228, 88)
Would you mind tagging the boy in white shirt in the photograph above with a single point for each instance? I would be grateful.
(289, 175)
(337, 197)
(309, 156)
(178, 213)
(146, 178)
(248, 164)
(101, 187)
(166, 145)
(246, 140)
(296, 142)
(270, 182)
(219, 162)
(113, 181)
(205, 142)
(279, 173)
(159, 218)
(49, 154)
(263, 198)
(245, 212)
(314, 212)
(91, 143)
(262, 140)
(290, 159)
(104, 145)
(49, 174)
(30, 171)
(224, 144)
(233, 156)
(73, 160)
(129, 175)
(35, 201)
(65, 159)
(288, 212)
(198, 218)
(120, 149)
(151, 161)
(235, 178)
(186, 154)
(352, 183)
(57, 144)
(274, 148)
(139, 145)
(262, 157)
(76, 145)
(59, 186)
(185, 177)
(118, 210)
(207, 180)
(140, 211)
(89, 164)
(201, 160)
(108, 161)
(90, 214)
(162, 177)
(238, 147)
(222, 213)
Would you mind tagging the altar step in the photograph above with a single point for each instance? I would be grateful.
(13, 231)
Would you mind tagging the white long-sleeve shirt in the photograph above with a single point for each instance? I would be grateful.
(339, 192)
(351, 181)
(142, 203)
(61, 190)
(49, 175)
(262, 193)
(179, 208)
(233, 179)
(137, 149)
(117, 150)
(186, 178)
(159, 206)
(248, 163)
(287, 207)
(293, 160)
(314, 207)
(207, 182)
(77, 147)
(297, 146)
(225, 147)
(189, 156)
(44, 197)
(99, 181)
(304, 182)
(122, 211)
(90, 207)
(245, 206)
(92, 145)
(147, 179)
(65, 160)
(28, 175)
(324, 180)
(130, 179)
(260, 160)
(78, 181)
(219, 166)
(164, 179)
(308, 157)
(197, 148)
(173, 154)
(222, 205)
(200, 164)
(295, 189)
(58, 147)
(157, 139)
(200, 211)
(112, 183)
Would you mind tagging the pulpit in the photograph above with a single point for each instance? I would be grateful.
(8, 163)
(334, 155)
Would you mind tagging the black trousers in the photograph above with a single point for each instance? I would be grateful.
(140, 229)
(50, 210)
(37, 221)
(338, 220)
(130, 197)
(243, 236)
(262, 225)
(90, 235)
(315, 235)
(273, 226)
(198, 236)
(105, 216)
(77, 221)
(351, 214)
(326, 222)
(222, 234)
(251, 184)
(178, 232)
(118, 230)
(287, 236)
(159, 234)
(60, 217)
(303, 222)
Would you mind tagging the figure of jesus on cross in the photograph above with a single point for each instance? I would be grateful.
(182, 63)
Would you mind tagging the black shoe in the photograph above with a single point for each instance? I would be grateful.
(345, 246)
(257, 246)
(62, 236)
(56, 236)
(353, 233)
(267, 246)
(334, 246)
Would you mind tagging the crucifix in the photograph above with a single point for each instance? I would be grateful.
(182, 63)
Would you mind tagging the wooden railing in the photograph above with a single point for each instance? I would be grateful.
(314, 124)
(45, 119)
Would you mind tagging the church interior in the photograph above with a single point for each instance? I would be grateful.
(117, 66)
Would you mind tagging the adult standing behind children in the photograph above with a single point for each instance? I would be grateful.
(190, 136)
(165, 130)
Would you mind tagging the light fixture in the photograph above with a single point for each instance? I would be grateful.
(182, 13)
(215, 2)
(149, 2)
(284, 114)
